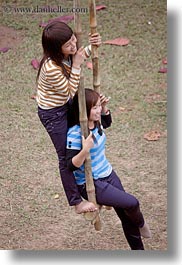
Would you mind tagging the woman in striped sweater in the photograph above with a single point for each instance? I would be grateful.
(108, 187)
(57, 82)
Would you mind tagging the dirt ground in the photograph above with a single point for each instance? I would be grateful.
(34, 213)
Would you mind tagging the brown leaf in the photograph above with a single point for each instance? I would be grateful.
(122, 108)
(163, 70)
(152, 136)
(117, 41)
(89, 65)
(35, 63)
(100, 7)
(4, 49)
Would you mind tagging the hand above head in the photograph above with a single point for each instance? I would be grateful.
(104, 101)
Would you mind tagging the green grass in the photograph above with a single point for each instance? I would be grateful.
(129, 75)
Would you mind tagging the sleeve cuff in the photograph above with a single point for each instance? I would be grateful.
(75, 70)
(88, 51)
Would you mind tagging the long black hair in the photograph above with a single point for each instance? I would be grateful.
(54, 35)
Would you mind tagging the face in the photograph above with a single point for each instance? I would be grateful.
(95, 111)
(69, 48)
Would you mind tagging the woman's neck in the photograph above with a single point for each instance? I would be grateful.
(67, 57)
(91, 125)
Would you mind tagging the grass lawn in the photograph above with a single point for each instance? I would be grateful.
(31, 217)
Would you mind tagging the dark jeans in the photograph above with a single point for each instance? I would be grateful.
(55, 122)
(109, 191)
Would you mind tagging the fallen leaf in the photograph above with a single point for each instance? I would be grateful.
(164, 61)
(43, 24)
(117, 41)
(4, 49)
(122, 109)
(35, 63)
(33, 96)
(89, 65)
(56, 196)
(162, 70)
(65, 19)
(100, 7)
(152, 136)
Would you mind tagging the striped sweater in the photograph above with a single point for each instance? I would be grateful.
(101, 168)
(54, 89)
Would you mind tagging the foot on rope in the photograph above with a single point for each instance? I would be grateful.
(84, 207)
(91, 215)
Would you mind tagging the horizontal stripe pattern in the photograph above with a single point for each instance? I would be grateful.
(101, 168)
(54, 89)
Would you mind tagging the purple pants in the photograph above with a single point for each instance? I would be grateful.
(109, 191)
(55, 122)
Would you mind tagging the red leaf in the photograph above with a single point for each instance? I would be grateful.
(65, 19)
(164, 61)
(89, 65)
(33, 97)
(117, 41)
(100, 7)
(163, 70)
(43, 24)
(152, 136)
(35, 63)
(4, 49)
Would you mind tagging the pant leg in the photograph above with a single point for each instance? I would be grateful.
(109, 191)
(131, 232)
(55, 122)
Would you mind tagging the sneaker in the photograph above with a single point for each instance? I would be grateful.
(145, 231)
